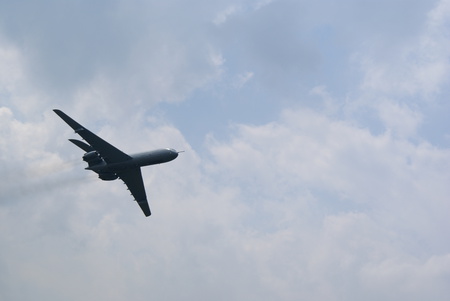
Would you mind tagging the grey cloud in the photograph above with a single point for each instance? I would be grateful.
(65, 42)
(308, 205)
(143, 48)
(367, 172)
(272, 42)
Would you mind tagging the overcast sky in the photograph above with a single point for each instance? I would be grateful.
(317, 163)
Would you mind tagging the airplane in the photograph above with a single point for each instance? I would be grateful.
(110, 163)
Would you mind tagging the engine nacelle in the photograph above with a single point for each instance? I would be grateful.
(107, 176)
(92, 158)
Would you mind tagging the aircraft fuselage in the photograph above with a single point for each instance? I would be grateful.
(153, 157)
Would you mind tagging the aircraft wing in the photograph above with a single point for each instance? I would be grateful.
(133, 179)
(108, 152)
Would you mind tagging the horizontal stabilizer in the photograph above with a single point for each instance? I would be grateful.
(84, 146)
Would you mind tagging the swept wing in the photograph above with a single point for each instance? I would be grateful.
(133, 179)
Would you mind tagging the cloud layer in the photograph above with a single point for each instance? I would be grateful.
(317, 150)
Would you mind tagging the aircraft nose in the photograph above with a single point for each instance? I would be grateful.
(174, 153)
(177, 153)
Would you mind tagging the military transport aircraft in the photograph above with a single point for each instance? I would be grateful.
(111, 163)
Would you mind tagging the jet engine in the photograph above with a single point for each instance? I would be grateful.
(107, 176)
(92, 158)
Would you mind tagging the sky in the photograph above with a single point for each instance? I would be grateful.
(316, 139)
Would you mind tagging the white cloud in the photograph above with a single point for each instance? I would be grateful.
(330, 105)
(15, 88)
(309, 204)
(242, 79)
(402, 120)
(282, 210)
(225, 14)
(418, 67)
(390, 208)
(11, 71)
(262, 3)
(309, 152)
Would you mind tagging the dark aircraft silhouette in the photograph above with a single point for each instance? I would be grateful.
(111, 163)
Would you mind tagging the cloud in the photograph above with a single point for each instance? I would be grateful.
(307, 152)
(255, 216)
(107, 53)
(306, 174)
(418, 67)
(402, 120)
(380, 208)
(225, 14)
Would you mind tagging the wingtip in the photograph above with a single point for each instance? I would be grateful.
(58, 112)
(144, 206)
